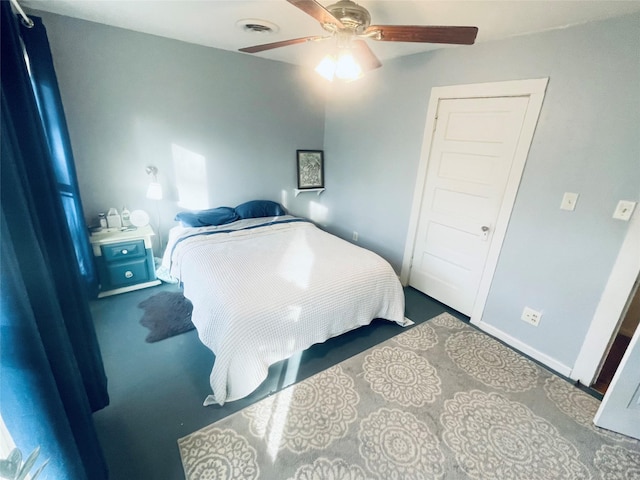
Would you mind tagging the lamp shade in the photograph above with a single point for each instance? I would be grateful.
(154, 191)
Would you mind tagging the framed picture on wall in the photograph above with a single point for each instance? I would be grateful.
(310, 169)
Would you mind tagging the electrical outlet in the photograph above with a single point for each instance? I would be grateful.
(531, 316)
(354, 237)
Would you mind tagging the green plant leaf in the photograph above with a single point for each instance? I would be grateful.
(28, 463)
(8, 469)
(15, 456)
(39, 471)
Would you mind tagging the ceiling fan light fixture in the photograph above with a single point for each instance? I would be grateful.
(343, 67)
(347, 68)
(327, 67)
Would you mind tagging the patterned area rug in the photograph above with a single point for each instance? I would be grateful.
(166, 314)
(441, 400)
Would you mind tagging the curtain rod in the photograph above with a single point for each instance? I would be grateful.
(26, 21)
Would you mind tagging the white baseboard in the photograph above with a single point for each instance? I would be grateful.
(543, 358)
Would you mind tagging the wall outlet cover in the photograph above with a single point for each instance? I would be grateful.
(531, 316)
(624, 210)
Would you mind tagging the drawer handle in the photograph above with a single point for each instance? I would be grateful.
(128, 274)
(124, 251)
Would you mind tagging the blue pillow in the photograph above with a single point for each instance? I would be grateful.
(260, 208)
(206, 218)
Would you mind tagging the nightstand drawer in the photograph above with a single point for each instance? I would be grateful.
(128, 273)
(123, 250)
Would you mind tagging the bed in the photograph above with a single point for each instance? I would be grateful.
(266, 288)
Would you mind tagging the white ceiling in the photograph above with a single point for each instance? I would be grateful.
(213, 22)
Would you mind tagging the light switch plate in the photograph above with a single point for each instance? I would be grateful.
(624, 210)
(569, 201)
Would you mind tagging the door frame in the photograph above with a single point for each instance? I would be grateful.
(616, 412)
(535, 90)
(611, 307)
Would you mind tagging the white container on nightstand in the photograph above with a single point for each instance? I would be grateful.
(113, 219)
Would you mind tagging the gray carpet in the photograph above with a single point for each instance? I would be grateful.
(441, 400)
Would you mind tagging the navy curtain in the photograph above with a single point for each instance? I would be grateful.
(51, 367)
(45, 86)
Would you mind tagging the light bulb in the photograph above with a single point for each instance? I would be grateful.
(327, 67)
(347, 68)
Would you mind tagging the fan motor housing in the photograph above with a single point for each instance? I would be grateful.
(353, 16)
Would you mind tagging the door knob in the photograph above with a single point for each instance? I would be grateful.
(485, 233)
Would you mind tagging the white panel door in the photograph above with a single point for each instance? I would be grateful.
(472, 151)
(620, 407)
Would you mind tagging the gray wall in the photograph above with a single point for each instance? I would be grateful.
(586, 141)
(129, 97)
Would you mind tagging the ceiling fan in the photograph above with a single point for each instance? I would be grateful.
(350, 23)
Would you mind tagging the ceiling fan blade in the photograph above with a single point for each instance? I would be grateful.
(317, 11)
(426, 34)
(364, 56)
(283, 43)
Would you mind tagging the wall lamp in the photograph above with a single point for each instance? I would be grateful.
(154, 190)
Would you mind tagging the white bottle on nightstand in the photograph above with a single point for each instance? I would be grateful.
(126, 217)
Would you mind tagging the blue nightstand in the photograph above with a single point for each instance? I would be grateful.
(124, 260)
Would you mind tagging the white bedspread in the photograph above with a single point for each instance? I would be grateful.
(262, 294)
